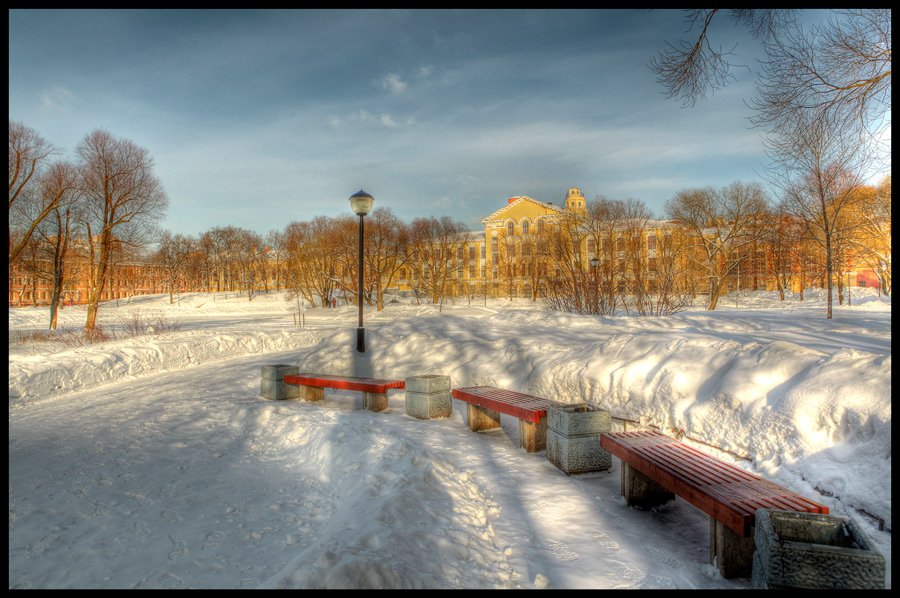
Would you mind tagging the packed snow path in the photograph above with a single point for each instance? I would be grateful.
(189, 479)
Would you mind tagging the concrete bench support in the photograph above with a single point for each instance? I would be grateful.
(375, 401)
(730, 552)
(311, 393)
(533, 436)
(481, 418)
(641, 491)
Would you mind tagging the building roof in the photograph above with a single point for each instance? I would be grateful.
(516, 200)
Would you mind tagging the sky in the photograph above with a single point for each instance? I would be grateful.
(259, 118)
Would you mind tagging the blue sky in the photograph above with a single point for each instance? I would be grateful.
(258, 118)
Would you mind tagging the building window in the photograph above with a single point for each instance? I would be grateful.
(540, 227)
(525, 227)
(510, 229)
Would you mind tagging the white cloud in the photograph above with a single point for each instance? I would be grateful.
(58, 97)
(393, 83)
(366, 117)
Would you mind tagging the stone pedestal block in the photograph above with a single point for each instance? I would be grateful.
(573, 438)
(642, 491)
(428, 396)
(272, 384)
(311, 393)
(729, 551)
(375, 401)
(533, 436)
(481, 418)
(808, 550)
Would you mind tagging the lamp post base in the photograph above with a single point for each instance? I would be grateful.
(361, 340)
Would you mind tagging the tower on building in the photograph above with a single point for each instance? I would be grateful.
(575, 201)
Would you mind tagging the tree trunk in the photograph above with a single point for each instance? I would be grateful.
(99, 282)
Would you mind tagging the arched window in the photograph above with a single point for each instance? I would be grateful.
(510, 228)
(540, 227)
(525, 227)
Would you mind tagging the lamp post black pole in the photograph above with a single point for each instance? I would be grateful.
(361, 203)
(361, 332)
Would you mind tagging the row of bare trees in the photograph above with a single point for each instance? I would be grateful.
(108, 196)
(823, 99)
(614, 258)
(316, 260)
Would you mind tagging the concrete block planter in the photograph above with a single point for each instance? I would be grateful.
(580, 419)
(428, 396)
(573, 438)
(272, 384)
(427, 383)
(808, 550)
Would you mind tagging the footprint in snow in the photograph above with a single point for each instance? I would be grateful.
(604, 541)
(561, 551)
(664, 556)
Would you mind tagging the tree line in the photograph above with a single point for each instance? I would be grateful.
(97, 216)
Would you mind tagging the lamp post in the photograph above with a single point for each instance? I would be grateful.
(361, 204)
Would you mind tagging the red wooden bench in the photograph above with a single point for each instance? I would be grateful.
(312, 387)
(655, 467)
(484, 404)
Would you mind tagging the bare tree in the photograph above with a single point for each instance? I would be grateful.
(719, 222)
(59, 187)
(873, 211)
(638, 278)
(690, 70)
(571, 286)
(819, 168)
(603, 228)
(386, 249)
(312, 262)
(124, 199)
(28, 206)
(433, 246)
(839, 70)
(275, 242)
(173, 257)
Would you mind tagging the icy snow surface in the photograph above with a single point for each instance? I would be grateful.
(152, 461)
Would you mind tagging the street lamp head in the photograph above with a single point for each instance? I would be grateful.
(361, 203)
(594, 262)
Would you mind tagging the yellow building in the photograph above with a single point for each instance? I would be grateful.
(503, 259)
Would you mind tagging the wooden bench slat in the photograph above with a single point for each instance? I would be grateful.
(375, 385)
(701, 468)
(516, 404)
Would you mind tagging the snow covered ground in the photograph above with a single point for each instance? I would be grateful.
(152, 461)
